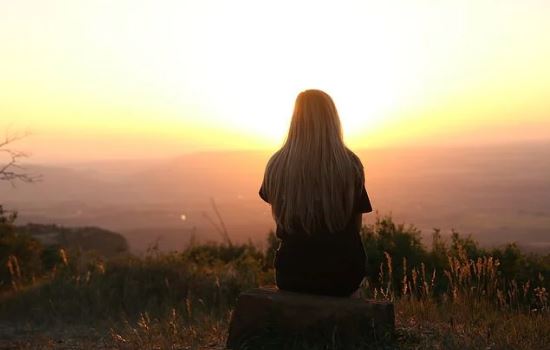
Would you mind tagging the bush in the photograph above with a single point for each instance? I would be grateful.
(20, 254)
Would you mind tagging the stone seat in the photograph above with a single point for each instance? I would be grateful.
(264, 313)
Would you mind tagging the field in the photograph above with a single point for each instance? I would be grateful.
(454, 295)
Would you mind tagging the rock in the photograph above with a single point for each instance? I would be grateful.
(268, 313)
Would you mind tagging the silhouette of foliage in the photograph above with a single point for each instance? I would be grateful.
(186, 298)
(20, 261)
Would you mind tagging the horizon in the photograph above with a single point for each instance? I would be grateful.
(498, 193)
(30, 160)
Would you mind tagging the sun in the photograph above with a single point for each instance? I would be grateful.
(193, 75)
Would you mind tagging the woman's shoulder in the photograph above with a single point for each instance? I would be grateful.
(352, 155)
(273, 158)
(357, 165)
(355, 159)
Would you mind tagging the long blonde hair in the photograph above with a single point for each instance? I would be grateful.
(312, 179)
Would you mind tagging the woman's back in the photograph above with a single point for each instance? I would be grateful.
(323, 262)
(316, 188)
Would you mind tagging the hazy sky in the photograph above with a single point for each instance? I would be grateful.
(110, 79)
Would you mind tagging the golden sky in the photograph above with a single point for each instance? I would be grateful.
(126, 79)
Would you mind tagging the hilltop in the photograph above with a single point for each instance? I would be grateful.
(86, 239)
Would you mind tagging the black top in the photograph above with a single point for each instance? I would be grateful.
(328, 263)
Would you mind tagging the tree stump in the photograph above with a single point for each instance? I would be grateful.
(270, 315)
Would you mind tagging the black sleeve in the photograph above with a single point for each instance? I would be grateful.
(362, 204)
(362, 201)
(262, 193)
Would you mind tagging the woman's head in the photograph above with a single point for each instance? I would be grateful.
(314, 120)
(312, 179)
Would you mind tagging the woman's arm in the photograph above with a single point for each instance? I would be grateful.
(358, 221)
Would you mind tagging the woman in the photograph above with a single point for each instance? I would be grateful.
(315, 186)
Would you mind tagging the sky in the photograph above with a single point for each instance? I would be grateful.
(110, 79)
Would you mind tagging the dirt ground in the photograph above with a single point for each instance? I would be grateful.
(66, 338)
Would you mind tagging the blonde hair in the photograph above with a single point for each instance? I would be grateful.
(312, 179)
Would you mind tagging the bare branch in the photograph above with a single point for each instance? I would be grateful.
(223, 231)
(220, 226)
(10, 138)
(12, 170)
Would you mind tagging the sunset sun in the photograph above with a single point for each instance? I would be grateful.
(190, 76)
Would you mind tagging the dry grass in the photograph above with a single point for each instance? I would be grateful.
(184, 300)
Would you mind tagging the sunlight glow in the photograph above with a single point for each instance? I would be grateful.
(174, 76)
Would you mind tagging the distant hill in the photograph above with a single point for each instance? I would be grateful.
(498, 193)
(88, 239)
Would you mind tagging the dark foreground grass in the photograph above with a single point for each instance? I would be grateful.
(425, 325)
(184, 300)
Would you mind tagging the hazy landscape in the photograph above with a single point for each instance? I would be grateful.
(134, 137)
(497, 193)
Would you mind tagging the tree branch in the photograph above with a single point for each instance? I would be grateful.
(12, 170)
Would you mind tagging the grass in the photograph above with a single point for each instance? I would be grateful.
(183, 300)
